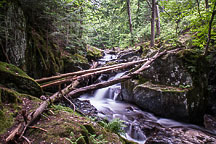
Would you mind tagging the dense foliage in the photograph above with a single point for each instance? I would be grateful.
(110, 25)
(68, 25)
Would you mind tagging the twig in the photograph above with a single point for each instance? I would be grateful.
(51, 112)
(26, 139)
(34, 127)
(74, 107)
(45, 117)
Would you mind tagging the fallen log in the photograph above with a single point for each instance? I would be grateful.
(82, 90)
(20, 130)
(89, 74)
(84, 72)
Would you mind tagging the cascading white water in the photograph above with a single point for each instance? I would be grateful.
(104, 100)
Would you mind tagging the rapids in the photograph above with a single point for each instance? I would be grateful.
(107, 102)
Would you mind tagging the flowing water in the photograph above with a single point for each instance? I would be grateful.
(105, 101)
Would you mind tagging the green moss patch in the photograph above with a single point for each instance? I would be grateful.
(162, 88)
(9, 104)
(13, 77)
(93, 53)
(67, 126)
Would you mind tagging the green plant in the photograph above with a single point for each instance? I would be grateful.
(97, 139)
(62, 108)
(115, 126)
(76, 141)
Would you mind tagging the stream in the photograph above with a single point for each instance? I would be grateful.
(138, 122)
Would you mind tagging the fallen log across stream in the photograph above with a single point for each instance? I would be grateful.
(121, 66)
(88, 71)
(70, 91)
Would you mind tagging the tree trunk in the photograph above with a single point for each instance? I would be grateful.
(129, 19)
(209, 30)
(157, 14)
(198, 7)
(206, 4)
(153, 24)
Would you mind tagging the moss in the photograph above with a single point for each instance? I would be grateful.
(76, 58)
(9, 100)
(162, 88)
(13, 77)
(42, 57)
(197, 65)
(66, 124)
(6, 121)
(93, 53)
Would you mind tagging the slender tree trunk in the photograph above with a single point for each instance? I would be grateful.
(129, 19)
(209, 30)
(198, 7)
(206, 4)
(137, 13)
(157, 14)
(153, 24)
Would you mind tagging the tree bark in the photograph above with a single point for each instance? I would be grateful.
(91, 74)
(153, 24)
(206, 4)
(209, 30)
(129, 19)
(157, 14)
(198, 7)
(81, 72)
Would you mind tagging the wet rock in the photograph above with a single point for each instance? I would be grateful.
(165, 101)
(210, 123)
(84, 106)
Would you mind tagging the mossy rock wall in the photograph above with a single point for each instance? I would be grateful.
(14, 78)
(42, 57)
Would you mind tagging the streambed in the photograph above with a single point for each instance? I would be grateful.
(143, 127)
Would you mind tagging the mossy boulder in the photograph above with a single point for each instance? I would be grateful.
(94, 53)
(75, 62)
(14, 78)
(167, 101)
(186, 70)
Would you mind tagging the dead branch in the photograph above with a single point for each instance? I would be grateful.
(74, 107)
(26, 139)
(34, 127)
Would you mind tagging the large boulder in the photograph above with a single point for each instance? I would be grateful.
(175, 86)
(14, 78)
